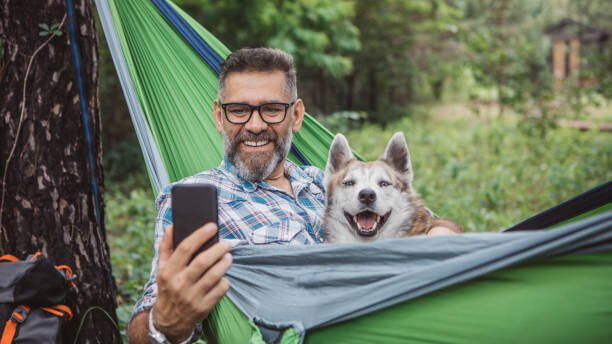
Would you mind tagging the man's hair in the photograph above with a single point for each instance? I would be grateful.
(259, 60)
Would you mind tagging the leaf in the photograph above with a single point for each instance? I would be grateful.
(44, 26)
(58, 33)
(43, 33)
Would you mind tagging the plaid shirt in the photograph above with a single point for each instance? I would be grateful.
(255, 213)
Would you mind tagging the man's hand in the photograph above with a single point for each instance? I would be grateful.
(443, 227)
(188, 290)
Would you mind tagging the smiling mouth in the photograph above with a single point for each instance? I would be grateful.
(366, 223)
(256, 143)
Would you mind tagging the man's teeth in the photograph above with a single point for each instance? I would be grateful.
(255, 143)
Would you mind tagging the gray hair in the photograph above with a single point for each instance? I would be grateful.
(259, 60)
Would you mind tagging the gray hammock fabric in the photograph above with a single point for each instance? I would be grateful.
(307, 287)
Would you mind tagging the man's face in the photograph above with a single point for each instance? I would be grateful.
(256, 148)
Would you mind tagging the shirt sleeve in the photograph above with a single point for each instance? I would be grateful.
(162, 220)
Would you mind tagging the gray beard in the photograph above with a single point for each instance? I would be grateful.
(259, 166)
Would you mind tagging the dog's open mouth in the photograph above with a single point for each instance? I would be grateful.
(367, 223)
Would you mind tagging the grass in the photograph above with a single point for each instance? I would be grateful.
(484, 172)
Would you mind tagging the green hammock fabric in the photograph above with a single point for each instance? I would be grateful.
(558, 300)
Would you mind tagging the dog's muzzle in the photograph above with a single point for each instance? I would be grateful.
(366, 223)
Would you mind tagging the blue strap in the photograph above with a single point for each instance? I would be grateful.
(94, 181)
(190, 35)
(299, 155)
(200, 46)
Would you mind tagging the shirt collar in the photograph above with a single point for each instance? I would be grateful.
(232, 173)
(297, 177)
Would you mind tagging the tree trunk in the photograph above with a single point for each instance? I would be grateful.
(48, 203)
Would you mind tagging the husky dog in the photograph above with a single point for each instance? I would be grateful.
(373, 200)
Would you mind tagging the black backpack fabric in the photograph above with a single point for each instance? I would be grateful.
(33, 294)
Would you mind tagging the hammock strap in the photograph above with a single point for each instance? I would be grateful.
(597, 197)
(181, 26)
(94, 182)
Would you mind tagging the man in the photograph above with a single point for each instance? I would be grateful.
(263, 198)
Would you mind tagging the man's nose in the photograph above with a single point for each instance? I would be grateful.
(256, 123)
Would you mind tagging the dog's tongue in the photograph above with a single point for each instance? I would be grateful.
(366, 220)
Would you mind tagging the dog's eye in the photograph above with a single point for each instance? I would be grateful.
(348, 182)
(384, 183)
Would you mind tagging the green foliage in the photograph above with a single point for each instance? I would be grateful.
(318, 33)
(47, 29)
(508, 50)
(124, 166)
(343, 121)
(408, 47)
(130, 227)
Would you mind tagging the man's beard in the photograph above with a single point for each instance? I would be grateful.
(257, 166)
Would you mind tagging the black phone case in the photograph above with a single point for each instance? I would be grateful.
(193, 205)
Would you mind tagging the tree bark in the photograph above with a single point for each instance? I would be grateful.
(48, 203)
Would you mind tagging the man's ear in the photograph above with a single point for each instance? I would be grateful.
(339, 156)
(218, 115)
(398, 156)
(298, 115)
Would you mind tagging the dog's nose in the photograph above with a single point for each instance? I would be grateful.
(367, 196)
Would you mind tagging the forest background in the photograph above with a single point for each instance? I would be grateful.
(469, 82)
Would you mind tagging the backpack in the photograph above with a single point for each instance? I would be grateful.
(33, 294)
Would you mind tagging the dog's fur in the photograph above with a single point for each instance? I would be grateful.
(379, 191)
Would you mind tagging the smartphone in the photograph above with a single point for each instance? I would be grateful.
(193, 205)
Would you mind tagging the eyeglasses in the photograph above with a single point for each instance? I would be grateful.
(271, 113)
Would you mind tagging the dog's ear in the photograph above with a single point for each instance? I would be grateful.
(339, 155)
(398, 156)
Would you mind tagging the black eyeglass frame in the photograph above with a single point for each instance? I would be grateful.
(258, 108)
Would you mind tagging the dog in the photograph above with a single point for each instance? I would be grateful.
(374, 200)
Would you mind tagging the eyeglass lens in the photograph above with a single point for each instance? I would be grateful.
(270, 112)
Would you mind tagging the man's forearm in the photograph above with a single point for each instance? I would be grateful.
(138, 329)
(451, 225)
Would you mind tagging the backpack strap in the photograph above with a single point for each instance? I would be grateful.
(20, 313)
(58, 310)
(67, 271)
(34, 256)
(9, 258)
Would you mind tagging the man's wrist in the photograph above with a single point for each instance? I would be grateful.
(159, 337)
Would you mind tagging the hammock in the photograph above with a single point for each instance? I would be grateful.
(530, 286)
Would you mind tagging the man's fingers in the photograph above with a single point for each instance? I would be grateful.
(205, 260)
(214, 274)
(165, 247)
(215, 294)
(190, 245)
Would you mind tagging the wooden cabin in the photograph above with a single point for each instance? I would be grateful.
(567, 37)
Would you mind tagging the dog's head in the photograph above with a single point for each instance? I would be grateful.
(369, 200)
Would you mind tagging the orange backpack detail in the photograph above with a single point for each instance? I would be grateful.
(33, 293)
